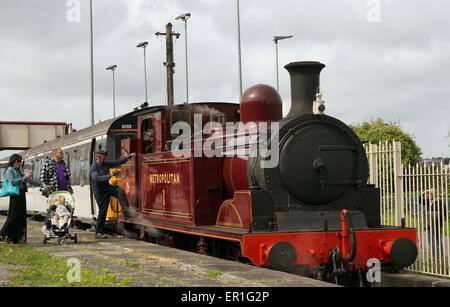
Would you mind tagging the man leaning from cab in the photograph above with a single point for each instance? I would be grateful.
(103, 190)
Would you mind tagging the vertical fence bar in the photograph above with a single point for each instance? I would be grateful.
(390, 186)
(422, 216)
(398, 184)
(386, 184)
(416, 213)
(405, 200)
(373, 164)
(427, 215)
(438, 222)
(446, 220)
(382, 179)
(440, 202)
(416, 217)
(434, 228)
(442, 219)
(408, 199)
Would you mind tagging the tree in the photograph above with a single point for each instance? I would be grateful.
(380, 131)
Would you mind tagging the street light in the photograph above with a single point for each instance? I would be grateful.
(276, 39)
(144, 46)
(185, 18)
(113, 69)
(92, 62)
(239, 46)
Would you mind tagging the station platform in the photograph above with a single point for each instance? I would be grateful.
(149, 265)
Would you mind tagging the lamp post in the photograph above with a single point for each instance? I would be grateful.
(276, 39)
(113, 69)
(239, 46)
(185, 17)
(92, 64)
(144, 46)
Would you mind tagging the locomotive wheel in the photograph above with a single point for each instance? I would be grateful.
(282, 257)
(404, 252)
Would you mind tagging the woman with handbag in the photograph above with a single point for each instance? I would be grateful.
(15, 186)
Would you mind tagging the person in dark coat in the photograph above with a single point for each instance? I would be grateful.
(103, 191)
(15, 228)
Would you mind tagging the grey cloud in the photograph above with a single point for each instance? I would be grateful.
(397, 69)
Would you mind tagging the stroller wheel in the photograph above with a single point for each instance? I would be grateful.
(44, 241)
(62, 241)
(75, 238)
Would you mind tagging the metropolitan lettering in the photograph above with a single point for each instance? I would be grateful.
(165, 179)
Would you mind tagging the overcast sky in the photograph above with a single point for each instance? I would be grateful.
(397, 69)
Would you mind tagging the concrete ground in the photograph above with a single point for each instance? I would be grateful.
(150, 265)
(413, 280)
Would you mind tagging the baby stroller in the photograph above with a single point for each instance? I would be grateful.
(60, 231)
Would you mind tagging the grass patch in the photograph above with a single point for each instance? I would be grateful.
(129, 263)
(40, 269)
(213, 274)
(166, 282)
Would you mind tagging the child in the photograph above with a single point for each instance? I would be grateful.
(61, 211)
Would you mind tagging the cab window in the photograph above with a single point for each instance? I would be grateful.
(151, 138)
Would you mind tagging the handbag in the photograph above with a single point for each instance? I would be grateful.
(9, 189)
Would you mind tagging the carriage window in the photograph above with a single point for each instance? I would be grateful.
(2, 173)
(36, 167)
(84, 165)
(28, 167)
(101, 144)
(74, 166)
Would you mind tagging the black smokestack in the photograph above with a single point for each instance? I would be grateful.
(305, 80)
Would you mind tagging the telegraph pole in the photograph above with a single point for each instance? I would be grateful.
(170, 65)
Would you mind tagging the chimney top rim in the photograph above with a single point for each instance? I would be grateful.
(304, 64)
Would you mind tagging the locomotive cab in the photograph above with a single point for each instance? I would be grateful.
(171, 184)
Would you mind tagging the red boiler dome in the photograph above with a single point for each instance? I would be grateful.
(261, 103)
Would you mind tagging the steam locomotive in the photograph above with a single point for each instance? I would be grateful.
(312, 212)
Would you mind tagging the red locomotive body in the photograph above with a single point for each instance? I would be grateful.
(313, 210)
